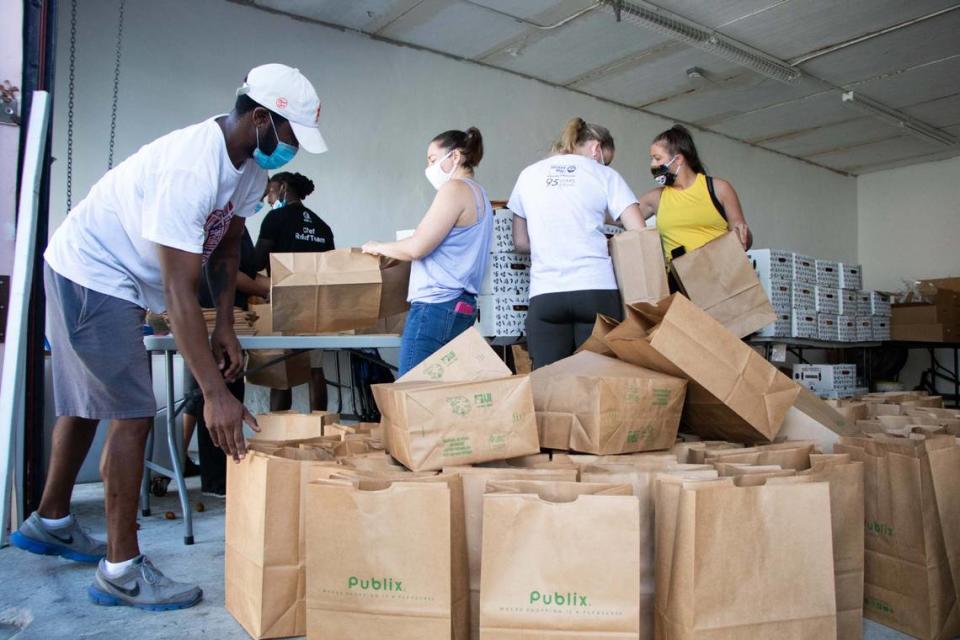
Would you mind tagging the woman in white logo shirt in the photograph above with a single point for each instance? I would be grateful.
(560, 205)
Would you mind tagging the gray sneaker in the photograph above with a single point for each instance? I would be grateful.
(144, 587)
(70, 542)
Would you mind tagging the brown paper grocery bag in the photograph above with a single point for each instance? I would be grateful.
(787, 455)
(336, 290)
(637, 257)
(744, 563)
(287, 374)
(597, 342)
(560, 570)
(734, 394)
(287, 426)
(595, 404)
(387, 559)
(694, 452)
(466, 358)
(719, 278)
(475, 481)
(642, 476)
(846, 508)
(911, 540)
(264, 561)
(432, 425)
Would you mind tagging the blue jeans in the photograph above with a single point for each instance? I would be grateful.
(431, 325)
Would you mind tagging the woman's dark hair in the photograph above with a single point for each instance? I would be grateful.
(469, 142)
(678, 140)
(299, 184)
(577, 131)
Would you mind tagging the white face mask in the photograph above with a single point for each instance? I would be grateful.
(436, 175)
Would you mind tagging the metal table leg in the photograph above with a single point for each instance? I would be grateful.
(145, 481)
(173, 444)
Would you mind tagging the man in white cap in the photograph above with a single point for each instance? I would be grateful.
(138, 241)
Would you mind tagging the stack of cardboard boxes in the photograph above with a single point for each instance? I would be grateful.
(820, 299)
(931, 315)
(505, 292)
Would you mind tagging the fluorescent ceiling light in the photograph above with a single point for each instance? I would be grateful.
(898, 118)
(652, 17)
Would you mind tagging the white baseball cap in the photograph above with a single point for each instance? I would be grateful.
(286, 92)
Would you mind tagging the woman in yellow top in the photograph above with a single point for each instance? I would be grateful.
(691, 208)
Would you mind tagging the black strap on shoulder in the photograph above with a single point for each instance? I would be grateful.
(715, 199)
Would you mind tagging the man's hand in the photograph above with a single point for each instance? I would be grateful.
(224, 416)
(226, 351)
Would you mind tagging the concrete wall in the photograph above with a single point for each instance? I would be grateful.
(382, 103)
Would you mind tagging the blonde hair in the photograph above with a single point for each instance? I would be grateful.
(577, 131)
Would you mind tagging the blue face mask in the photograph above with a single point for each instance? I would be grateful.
(281, 155)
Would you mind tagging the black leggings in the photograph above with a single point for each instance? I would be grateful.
(558, 323)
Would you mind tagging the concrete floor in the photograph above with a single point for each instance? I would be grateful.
(47, 596)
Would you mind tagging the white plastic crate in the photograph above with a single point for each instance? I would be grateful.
(828, 300)
(827, 327)
(826, 378)
(804, 296)
(881, 328)
(849, 302)
(781, 328)
(502, 316)
(828, 274)
(805, 324)
(851, 276)
(864, 329)
(507, 274)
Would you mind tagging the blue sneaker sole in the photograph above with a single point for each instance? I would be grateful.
(21, 541)
(106, 600)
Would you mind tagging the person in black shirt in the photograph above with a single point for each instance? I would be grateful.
(292, 228)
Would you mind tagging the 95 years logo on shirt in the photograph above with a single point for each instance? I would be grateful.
(561, 175)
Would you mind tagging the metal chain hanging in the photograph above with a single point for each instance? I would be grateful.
(116, 85)
(71, 90)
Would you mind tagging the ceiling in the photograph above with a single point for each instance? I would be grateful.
(900, 55)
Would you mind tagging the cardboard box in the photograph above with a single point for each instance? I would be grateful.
(864, 329)
(336, 290)
(824, 378)
(851, 276)
(804, 269)
(828, 300)
(638, 263)
(925, 322)
(804, 296)
(880, 304)
(881, 328)
(736, 299)
(849, 302)
(781, 328)
(805, 324)
(780, 292)
(734, 394)
(502, 316)
(828, 274)
(864, 308)
(847, 328)
(922, 333)
(772, 264)
(828, 328)
(611, 230)
(594, 404)
(508, 275)
(502, 240)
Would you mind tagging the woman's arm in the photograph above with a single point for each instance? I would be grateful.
(440, 218)
(735, 219)
(632, 218)
(521, 237)
(650, 202)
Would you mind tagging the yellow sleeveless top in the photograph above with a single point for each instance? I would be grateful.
(687, 217)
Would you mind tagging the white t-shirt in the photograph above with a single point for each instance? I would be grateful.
(564, 200)
(179, 191)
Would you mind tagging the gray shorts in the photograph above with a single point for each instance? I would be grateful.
(100, 367)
